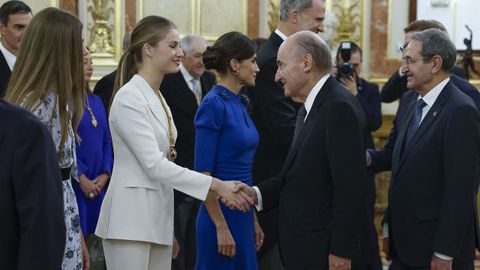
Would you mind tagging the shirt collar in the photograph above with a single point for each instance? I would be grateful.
(433, 94)
(186, 74)
(313, 94)
(9, 57)
(280, 34)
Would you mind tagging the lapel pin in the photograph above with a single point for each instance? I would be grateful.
(435, 114)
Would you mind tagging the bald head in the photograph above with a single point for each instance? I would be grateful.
(302, 60)
(308, 43)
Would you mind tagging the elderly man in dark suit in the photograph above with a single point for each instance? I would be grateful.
(14, 19)
(31, 196)
(321, 189)
(431, 220)
(183, 92)
(274, 114)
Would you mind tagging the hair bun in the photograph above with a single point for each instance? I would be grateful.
(211, 58)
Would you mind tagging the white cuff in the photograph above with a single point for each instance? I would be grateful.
(443, 257)
(385, 230)
(259, 204)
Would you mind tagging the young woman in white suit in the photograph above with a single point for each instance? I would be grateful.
(136, 217)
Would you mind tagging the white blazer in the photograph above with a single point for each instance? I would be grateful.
(139, 202)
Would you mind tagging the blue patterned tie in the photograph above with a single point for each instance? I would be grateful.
(302, 112)
(415, 121)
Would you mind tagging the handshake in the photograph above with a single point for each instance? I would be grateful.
(234, 194)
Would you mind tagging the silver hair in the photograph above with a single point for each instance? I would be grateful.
(287, 6)
(188, 40)
(314, 45)
(436, 42)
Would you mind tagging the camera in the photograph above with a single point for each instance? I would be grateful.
(345, 70)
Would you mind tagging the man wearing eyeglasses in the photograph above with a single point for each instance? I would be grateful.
(431, 220)
(396, 85)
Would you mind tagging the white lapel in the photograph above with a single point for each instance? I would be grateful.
(153, 102)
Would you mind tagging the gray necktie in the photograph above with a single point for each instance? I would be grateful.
(197, 90)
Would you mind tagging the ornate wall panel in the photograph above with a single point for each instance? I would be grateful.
(209, 19)
(181, 12)
(103, 29)
(216, 17)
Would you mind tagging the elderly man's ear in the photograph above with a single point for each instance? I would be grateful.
(307, 63)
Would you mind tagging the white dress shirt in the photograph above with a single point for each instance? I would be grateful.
(9, 57)
(280, 34)
(308, 106)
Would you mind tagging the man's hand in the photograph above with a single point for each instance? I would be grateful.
(259, 235)
(440, 264)
(385, 246)
(337, 263)
(350, 83)
(175, 248)
(232, 194)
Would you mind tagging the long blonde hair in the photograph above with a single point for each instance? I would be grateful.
(149, 30)
(50, 58)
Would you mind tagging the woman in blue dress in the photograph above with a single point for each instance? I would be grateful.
(226, 140)
(94, 155)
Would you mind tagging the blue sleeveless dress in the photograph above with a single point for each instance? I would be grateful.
(226, 140)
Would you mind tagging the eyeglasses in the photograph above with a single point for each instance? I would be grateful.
(409, 61)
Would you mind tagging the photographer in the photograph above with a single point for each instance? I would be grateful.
(348, 66)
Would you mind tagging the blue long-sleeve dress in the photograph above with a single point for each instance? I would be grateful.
(226, 140)
(94, 157)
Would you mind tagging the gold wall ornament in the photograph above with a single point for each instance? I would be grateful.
(273, 14)
(101, 41)
(348, 20)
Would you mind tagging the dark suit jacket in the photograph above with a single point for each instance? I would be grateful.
(396, 85)
(369, 98)
(432, 196)
(382, 160)
(320, 191)
(274, 117)
(104, 89)
(31, 194)
(5, 74)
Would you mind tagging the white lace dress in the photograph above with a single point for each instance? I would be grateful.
(47, 112)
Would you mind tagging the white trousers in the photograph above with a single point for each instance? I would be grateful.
(135, 255)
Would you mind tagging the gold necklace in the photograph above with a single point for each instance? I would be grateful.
(172, 153)
(94, 120)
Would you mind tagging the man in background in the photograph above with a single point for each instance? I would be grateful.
(14, 19)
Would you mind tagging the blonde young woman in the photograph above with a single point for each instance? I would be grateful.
(136, 218)
(48, 80)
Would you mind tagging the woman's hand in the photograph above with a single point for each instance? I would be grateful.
(226, 244)
(90, 190)
(85, 255)
(259, 235)
(232, 194)
(101, 180)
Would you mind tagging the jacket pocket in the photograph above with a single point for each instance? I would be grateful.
(318, 223)
(425, 215)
